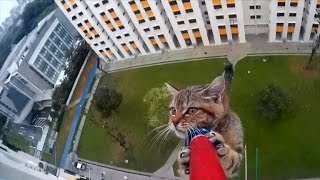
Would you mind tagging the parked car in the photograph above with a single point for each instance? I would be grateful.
(80, 166)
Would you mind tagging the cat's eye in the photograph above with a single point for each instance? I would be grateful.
(192, 111)
(172, 111)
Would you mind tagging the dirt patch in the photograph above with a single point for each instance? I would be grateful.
(297, 66)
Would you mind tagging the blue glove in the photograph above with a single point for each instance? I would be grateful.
(193, 133)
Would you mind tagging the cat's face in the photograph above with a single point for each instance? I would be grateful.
(196, 106)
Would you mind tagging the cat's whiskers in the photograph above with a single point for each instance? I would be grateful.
(155, 129)
(157, 137)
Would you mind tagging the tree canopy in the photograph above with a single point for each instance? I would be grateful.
(157, 101)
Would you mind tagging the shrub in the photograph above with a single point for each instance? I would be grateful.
(157, 100)
(273, 102)
(107, 100)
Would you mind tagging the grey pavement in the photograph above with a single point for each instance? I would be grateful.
(75, 102)
(255, 45)
(71, 159)
(98, 171)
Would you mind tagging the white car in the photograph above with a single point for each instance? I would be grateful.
(80, 165)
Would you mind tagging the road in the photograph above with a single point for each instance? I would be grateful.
(98, 171)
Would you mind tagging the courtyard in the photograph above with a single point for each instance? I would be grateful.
(287, 146)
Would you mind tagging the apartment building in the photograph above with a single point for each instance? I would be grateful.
(34, 66)
(118, 30)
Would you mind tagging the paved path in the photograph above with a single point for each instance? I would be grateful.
(256, 45)
(86, 109)
(74, 103)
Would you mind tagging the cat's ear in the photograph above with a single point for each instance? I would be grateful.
(215, 89)
(171, 89)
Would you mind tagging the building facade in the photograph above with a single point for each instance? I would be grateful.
(34, 66)
(117, 29)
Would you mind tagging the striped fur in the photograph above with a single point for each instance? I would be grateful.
(212, 105)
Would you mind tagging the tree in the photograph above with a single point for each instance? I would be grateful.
(107, 100)
(273, 102)
(315, 46)
(157, 101)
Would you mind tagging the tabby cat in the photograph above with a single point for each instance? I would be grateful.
(207, 106)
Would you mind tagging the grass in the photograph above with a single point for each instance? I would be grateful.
(288, 146)
(133, 84)
(69, 113)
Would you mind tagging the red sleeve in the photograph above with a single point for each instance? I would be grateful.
(204, 160)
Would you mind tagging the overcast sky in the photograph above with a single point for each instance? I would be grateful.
(5, 7)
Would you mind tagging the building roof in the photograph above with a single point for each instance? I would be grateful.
(14, 99)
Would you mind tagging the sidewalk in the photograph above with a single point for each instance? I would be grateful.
(256, 45)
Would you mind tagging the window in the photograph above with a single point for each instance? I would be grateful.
(114, 29)
(203, 3)
(90, 38)
(118, 37)
(116, 19)
(63, 2)
(85, 31)
(173, 3)
(152, 18)
(121, 27)
(252, 16)
(107, 21)
(86, 21)
(100, 50)
(97, 5)
(292, 24)
(219, 17)
(102, 42)
(258, 16)
(192, 21)
(80, 13)
(208, 22)
(258, 7)
(251, 7)
(217, 7)
(222, 27)
(279, 24)
(231, 5)
(102, 14)
(96, 44)
(105, 1)
(280, 14)
(126, 35)
(180, 22)
(281, 3)
(137, 12)
(160, 36)
(97, 35)
(294, 4)
(107, 49)
(176, 13)
(68, 10)
(111, 10)
(91, 29)
(141, 21)
(132, 2)
(74, 6)
(79, 25)
(185, 1)
(232, 16)
(156, 27)
(147, 9)
(292, 14)
(146, 30)
(189, 10)
(206, 13)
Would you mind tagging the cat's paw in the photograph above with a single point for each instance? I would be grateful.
(183, 162)
(215, 138)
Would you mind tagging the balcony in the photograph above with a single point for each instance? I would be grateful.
(72, 2)
(113, 15)
(110, 26)
(223, 31)
(66, 6)
(163, 39)
(230, 1)
(234, 30)
(125, 47)
(134, 7)
(175, 8)
(153, 42)
(279, 29)
(197, 34)
(110, 52)
(139, 16)
(134, 46)
(216, 2)
(314, 29)
(185, 35)
(318, 2)
(294, 1)
(291, 28)
(150, 14)
(145, 4)
(105, 18)
(119, 23)
(187, 6)
(281, 1)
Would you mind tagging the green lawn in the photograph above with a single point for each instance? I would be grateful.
(133, 85)
(288, 146)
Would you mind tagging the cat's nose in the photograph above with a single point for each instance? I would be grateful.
(175, 123)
